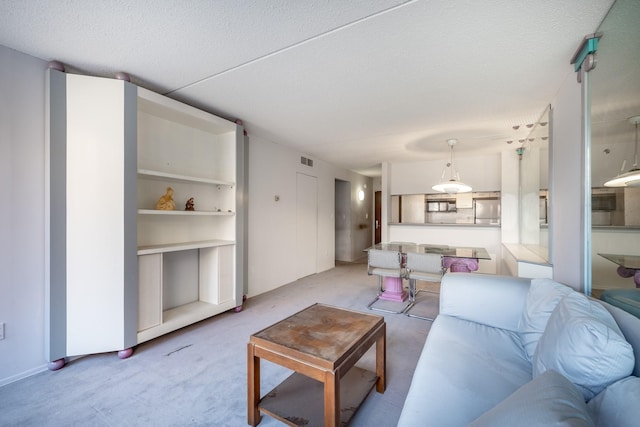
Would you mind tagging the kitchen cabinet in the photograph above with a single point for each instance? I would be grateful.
(122, 272)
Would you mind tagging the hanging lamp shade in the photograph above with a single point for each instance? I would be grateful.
(632, 177)
(453, 185)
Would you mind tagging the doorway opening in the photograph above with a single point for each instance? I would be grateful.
(342, 220)
(377, 217)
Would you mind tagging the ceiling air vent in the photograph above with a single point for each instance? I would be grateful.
(305, 161)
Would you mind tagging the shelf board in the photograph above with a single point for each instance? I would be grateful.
(153, 174)
(302, 398)
(191, 213)
(182, 316)
(184, 246)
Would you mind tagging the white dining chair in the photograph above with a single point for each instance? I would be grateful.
(422, 266)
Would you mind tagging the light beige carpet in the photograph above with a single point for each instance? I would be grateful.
(197, 376)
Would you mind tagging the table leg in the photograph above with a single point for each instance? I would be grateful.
(331, 399)
(381, 361)
(630, 272)
(393, 290)
(253, 386)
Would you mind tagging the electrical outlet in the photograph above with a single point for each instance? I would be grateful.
(1, 330)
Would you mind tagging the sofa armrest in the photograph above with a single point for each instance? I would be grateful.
(492, 300)
(630, 327)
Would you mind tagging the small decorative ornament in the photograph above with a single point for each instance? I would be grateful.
(166, 203)
(190, 205)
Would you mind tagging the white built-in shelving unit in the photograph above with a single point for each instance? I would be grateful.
(121, 271)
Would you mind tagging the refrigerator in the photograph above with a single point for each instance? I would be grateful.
(486, 211)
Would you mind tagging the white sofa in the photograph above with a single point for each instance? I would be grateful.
(507, 351)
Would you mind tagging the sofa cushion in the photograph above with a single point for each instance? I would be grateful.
(548, 400)
(465, 369)
(630, 327)
(617, 405)
(492, 300)
(583, 342)
(542, 298)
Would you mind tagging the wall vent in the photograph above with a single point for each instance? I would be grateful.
(305, 161)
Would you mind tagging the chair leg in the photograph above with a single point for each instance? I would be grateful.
(380, 290)
(369, 306)
(412, 296)
(412, 299)
(431, 319)
(417, 291)
(412, 290)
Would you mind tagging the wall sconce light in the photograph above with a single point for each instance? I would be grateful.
(360, 195)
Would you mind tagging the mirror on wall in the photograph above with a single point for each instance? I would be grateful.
(615, 103)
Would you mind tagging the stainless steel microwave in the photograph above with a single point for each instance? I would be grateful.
(441, 206)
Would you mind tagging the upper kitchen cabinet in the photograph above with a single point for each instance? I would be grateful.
(122, 271)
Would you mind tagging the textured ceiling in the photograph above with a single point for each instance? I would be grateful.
(353, 83)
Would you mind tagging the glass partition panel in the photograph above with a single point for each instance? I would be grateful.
(534, 188)
(615, 103)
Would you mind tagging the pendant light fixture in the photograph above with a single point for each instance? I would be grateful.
(453, 185)
(631, 178)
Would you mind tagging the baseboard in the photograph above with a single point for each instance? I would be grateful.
(36, 370)
(23, 375)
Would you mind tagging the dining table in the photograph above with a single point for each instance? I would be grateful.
(458, 259)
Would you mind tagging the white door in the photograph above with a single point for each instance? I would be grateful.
(306, 224)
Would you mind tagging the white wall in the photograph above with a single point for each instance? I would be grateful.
(272, 239)
(419, 177)
(272, 232)
(510, 199)
(22, 180)
(567, 185)
(530, 197)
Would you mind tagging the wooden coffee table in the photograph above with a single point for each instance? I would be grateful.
(321, 344)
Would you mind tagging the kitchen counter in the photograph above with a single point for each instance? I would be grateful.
(616, 227)
(527, 260)
(528, 253)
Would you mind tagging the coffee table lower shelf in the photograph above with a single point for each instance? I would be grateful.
(299, 400)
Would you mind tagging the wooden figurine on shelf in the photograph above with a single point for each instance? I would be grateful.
(166, 203)
(190, 205)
